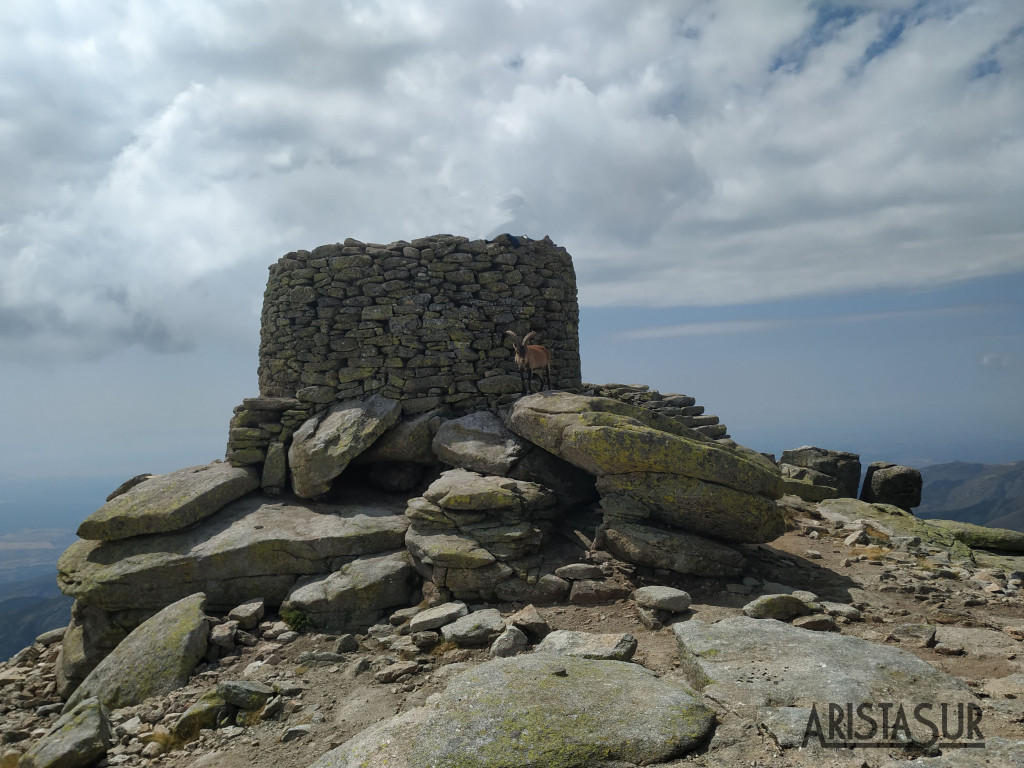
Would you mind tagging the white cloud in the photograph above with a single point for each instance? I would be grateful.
(685, 153)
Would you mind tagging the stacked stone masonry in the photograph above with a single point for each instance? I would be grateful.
(421, 322)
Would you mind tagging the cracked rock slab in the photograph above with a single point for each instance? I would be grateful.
(538, 709)
(746, 664)
(171, 502)
(479, 442)
(677, 551)
(608, 437)
(589, 645)
(249, 548)
(353, 597)
(324, 445)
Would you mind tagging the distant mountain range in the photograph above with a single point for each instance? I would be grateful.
(29, 608)
(984, 494)
(30, 602)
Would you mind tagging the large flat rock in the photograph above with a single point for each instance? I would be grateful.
(479, 442)
(895, 521)
(155, 659)
(250, 548)
(983, 537)
(613, 646)
(609, 437)
(691, 505)
(353, 597)
(324, 445)
(757, 665)
(460, 489)
(164, 503)
(537, 710)
(408, 440)
(676, 551)
(446, 548)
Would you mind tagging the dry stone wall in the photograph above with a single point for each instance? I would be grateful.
(422, 322)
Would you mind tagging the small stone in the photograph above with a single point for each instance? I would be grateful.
(245, 694)
(295, 732)
(817, 622)
(346, 644)
(841, 610)
(78, 738)
(812, 554)
(248, 614)
(739, 589)
(510, 642)
(53, 636)
(425, 640)
(436, 617)
(652, 618)
(357, 667)
(591, 592)
(579, 571)
(948, 649)
(247, 639)
(405, 647)
(153, 749)
(618, 647)
(859, 538)
(780, 607)
(914, 635)
(403, 615)
(529, 620)
(273, 708)
(663, 598)
(477, 628)
(129, 727)
(392, 672)
(223, 635)
(775, 588)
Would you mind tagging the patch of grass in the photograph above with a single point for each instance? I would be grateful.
(443, 647)
(874, 533)
(297, 620)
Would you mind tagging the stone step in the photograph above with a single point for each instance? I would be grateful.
(698, 421)
(692, 410)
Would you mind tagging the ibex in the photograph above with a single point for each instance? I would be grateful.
(530, 358)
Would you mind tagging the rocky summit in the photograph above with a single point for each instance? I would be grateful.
(407, 561)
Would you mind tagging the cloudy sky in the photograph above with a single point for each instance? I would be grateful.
(809, 215)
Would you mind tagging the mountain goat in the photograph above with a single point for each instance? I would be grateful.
(531, 358)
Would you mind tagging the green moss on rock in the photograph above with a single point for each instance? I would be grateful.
(538, 711)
